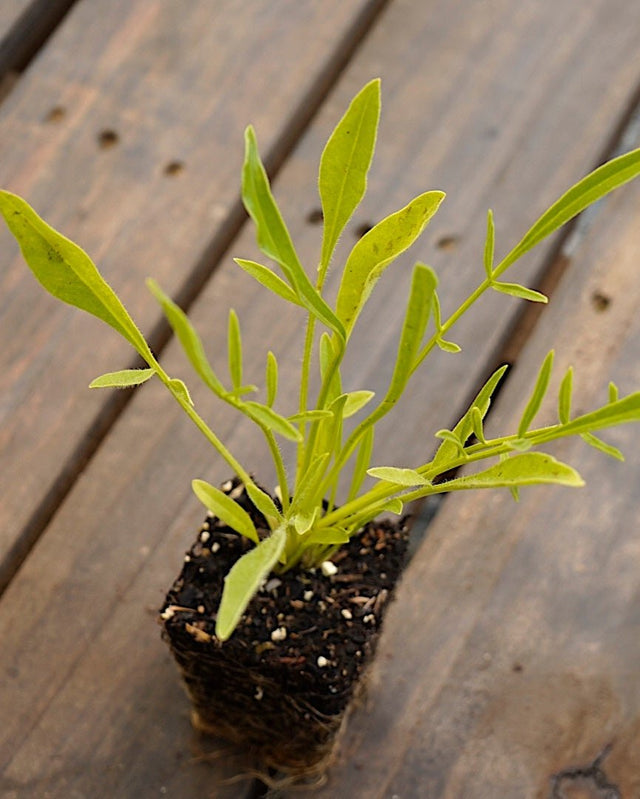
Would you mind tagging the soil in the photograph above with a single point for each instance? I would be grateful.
(282, 682)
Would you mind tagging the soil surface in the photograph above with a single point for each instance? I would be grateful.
(303, 643)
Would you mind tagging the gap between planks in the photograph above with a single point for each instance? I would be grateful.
(160, 335)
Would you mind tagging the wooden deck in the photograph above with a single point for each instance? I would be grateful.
(510, 662)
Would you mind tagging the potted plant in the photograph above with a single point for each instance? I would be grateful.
(278, 605)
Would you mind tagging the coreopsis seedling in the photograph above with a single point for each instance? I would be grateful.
(306, 524)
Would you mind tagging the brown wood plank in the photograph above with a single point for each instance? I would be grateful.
(131, 510)
(133, 111)
(509, 662)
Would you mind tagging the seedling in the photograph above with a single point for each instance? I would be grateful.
(306, 524)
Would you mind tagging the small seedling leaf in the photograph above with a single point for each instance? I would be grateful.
(522, 292)
(179, 389)
(363, 459)
(327, 536)
(67, 272)
(268, 279)
(395, 505)
(234, 349)
(271, 378)
(126, 378)
(267, 417)
(402, 477)
(564, 397)
(598, 443)
(489, 245)
(188, 338)
(273, 237)
(537, 395)
(587, 191)
(264, 504)
(244, 579)
(314, 415)
(355, 401)
(225, 508)
(531, 468)
(345, 163)
(377, 249)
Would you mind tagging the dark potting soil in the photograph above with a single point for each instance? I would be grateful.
(301, 647)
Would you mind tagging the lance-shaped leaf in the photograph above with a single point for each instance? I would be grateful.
(234, 351)
(356, 400)
(402, 477)
(522, 292)
(244, 579)
(451, 447)
(67, 272)
(225, 508)
(537, 395)
(328, 356)
(489, 245)
(598, 443)
(268, 279)
(271, 378)
(591, 188)
(273, 237)
(188, 338)
(327, 536)
(266, 416)
(416, 318)
(345, 163)
(531, 468)
(126, 378)
(564, 397)
(621, 411)
(377, 249)
(264, 504)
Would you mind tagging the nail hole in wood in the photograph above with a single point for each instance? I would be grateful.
(363, 229)
(600, 301)
(174, 168)
(107, 138)
(56, 114)
(315, 216)
(449, 242)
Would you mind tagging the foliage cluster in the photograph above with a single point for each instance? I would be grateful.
(306, 524)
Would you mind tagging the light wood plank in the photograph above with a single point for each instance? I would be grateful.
(510, 658)
(137, 487)
(175, 85)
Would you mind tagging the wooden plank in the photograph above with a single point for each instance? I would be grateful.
(24, 26)
(131, 111)
(124, 549)
(508, 666)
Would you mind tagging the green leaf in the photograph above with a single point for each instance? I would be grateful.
(476, 424)
(234, 347)
(537, 395)
(395, 505)
(564, 397)
(268, 279)
(188, 338)
(443, 344)
(328, 355)
(377, 249)
(67, 272)
(307, 488)
(531, 468)
(613, 392)
(345, 163)
(401, 477)
(591, 188)
(327, 536)
(264, 504)
(516, 290)
(244, 579)
(271, 378)
(598, 443)
(126, 378)
(416, 318)
(273, 237)
(448, 346)
(451, 447)
(178, 388)
(618, 412)
(489, 245)
(313, 415)
(225, 508)
(303, 522)
(363, 459)
(355, 401)
(266, 416)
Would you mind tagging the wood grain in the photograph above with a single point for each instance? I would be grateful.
(126, 133)
(116, 541)
(24, 26)
(509, 661)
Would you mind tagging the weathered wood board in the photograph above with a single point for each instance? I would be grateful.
(509, 663)
(126, 133)
(116, 541)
